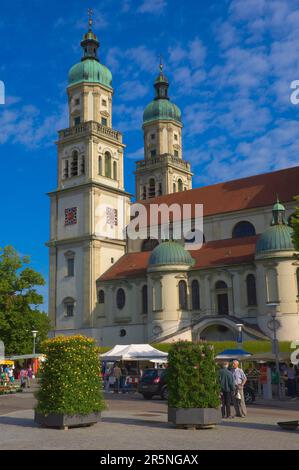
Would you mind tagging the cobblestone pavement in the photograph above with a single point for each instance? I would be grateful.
(133, 423)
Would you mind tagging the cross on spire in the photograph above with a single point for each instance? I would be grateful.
(90, 15)
(161, 63)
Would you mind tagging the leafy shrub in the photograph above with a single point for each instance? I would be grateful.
(192, 376)
(71, 381)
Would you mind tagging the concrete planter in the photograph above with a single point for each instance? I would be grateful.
(63, 421)
(202, 418)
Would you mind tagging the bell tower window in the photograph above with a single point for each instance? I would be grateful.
(107, 165)
(153, 153)
(66, 169)
(74, 164)
(104, 121)
(82, 169)
(114, 170)
(152, 188)
(77, 121)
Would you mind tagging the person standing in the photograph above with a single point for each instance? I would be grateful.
(291, 383)
(240, 380)
(227, 388)
(117, 375)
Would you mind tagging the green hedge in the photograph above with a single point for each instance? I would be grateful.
(71, 381)
(192, 376)
(253, 347)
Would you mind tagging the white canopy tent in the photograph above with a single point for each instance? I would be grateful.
(134, 352)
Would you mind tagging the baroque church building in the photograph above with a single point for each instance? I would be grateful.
(119, 290)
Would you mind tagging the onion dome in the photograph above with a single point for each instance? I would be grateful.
(278, 237)
(90, 69)
(170, 253)
(161, 108)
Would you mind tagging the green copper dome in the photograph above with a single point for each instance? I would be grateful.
(90, 70)
(170, 252)
(278, 237)
(161, 108)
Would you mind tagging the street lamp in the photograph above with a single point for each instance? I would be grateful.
(240, 333)
(273, 324)
(34, 333)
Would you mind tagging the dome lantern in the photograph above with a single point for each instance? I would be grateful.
(278, 237)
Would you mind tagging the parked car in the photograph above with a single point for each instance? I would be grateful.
(153, 382)
(249, 394)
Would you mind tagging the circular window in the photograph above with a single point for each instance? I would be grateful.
(122, 332)
(120, 298)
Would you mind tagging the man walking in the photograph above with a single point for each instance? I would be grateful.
(240, 380)
(227, 388)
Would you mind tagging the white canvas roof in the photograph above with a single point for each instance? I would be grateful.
(134, 352)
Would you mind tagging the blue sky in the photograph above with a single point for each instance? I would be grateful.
(230, 64)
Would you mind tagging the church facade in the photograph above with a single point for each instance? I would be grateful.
(120, 291)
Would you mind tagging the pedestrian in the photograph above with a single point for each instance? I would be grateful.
(23, 377)
(240, 380)
(29, 375)
(227, 388)
(123, 377)
(10, 375)
(291, 382)
(117, 375)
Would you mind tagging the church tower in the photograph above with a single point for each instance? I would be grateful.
(163, 170)
(89, 208)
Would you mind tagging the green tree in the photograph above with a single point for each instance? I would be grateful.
(295, 225)
(19, 302)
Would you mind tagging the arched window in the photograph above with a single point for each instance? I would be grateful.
(222, 298)
(82, 169)
(120, 298)
(195, 295)
(74, 164)
(114, 170)
(69, 306)
(180, 185)
(174, 187)
(101, 296)
(144, 299)
(152, 188)
(100, 165)
(243, 229)
(183, 295)
(149, 244)
(107, 165)
(251, 290)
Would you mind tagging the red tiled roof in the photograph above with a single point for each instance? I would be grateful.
(245, 193)
(232, 251)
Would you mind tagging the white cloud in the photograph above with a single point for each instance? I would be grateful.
(152, 6)
(132, 90)
(136, 154)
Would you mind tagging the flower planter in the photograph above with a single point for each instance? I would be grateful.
(202, 418)
(64, 421)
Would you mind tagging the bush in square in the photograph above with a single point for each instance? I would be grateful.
(70, 382)
(192, 376)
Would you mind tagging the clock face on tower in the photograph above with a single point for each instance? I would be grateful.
(70, 216)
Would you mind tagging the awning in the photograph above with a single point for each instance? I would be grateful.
(134, 352)
(6, 362)
(229, 354)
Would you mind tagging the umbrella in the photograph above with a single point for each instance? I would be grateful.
(233, 354)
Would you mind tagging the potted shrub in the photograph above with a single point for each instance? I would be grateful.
(70, 391)
(193, 388)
